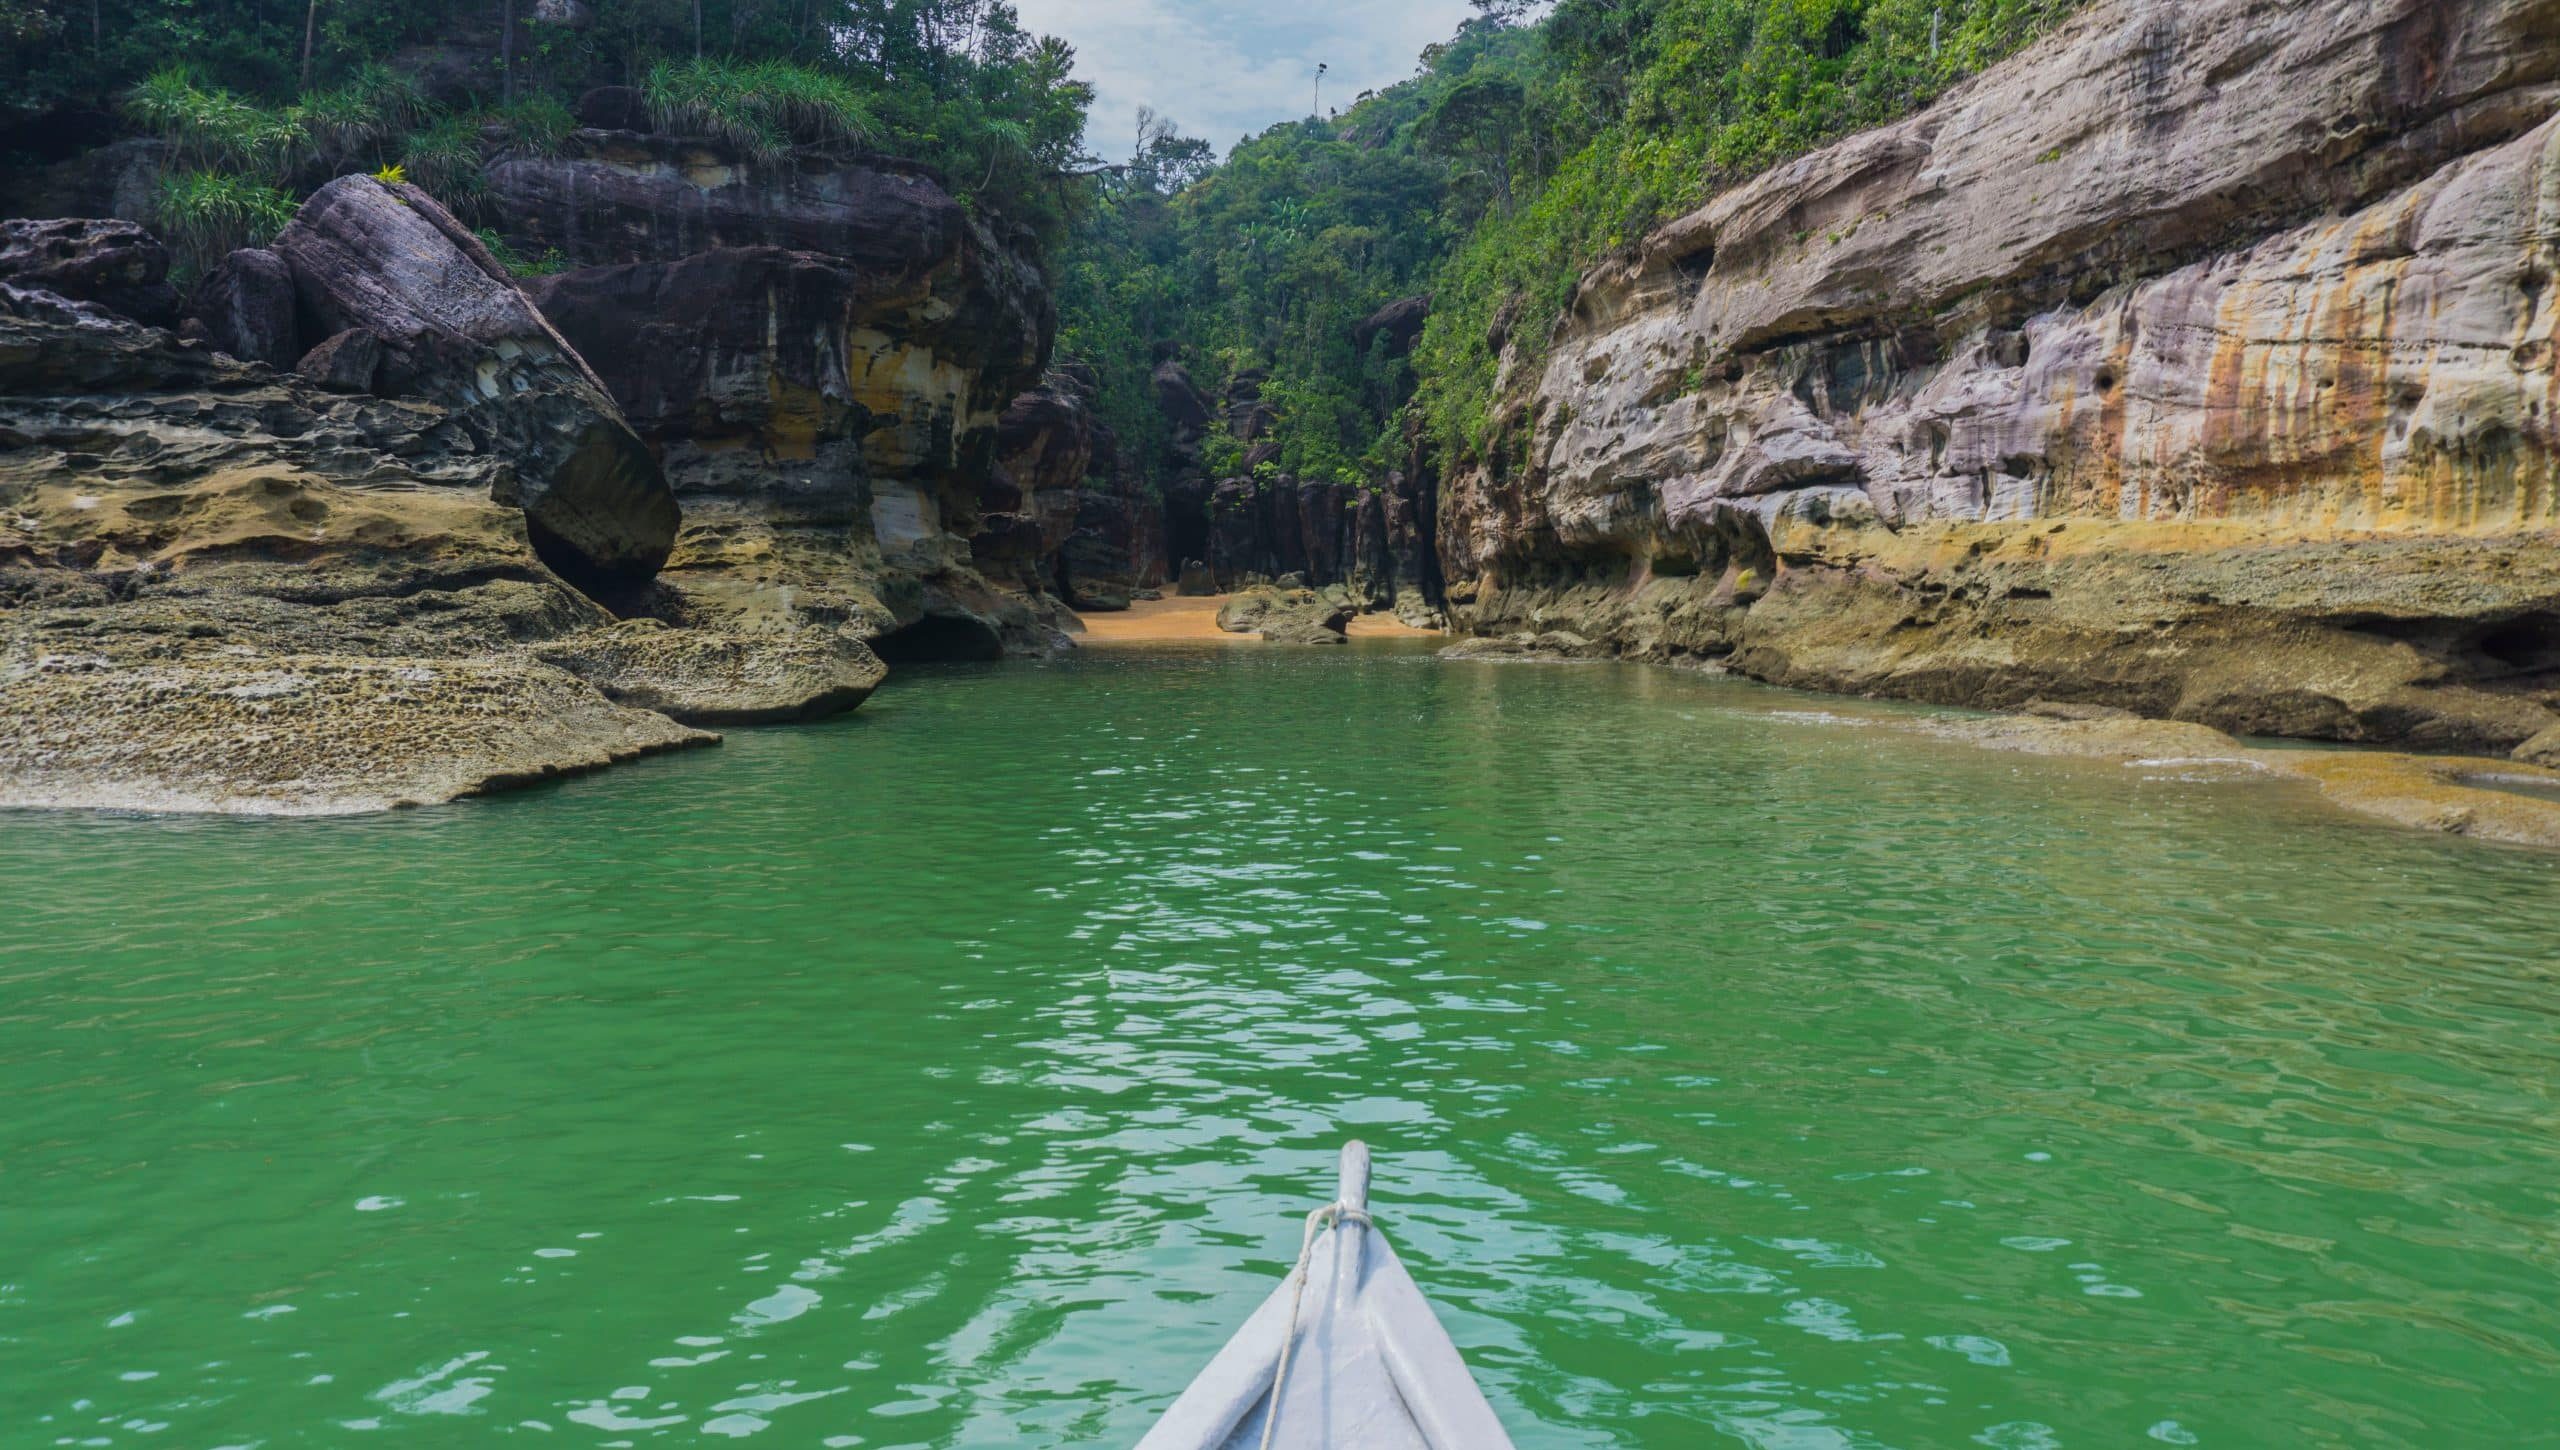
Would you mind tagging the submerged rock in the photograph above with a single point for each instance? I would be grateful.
(2486, 800)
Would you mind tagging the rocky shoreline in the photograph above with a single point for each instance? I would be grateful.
(358, 525)
(2198, 361)
(2201, 363)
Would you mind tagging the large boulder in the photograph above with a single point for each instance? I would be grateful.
(823, 352)
(1185, 408)
(454, 330)
(115, 264)
(246, 307)
(1399, 323)
(1287, 616)
(226, 590)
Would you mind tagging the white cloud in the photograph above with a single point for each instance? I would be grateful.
(1225, 69)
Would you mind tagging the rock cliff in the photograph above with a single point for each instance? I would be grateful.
(1263, 525)
(2200, 360)
(382, 577)
(821, 353)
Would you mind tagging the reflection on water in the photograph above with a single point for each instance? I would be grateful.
(954, 1075)
(2524, 785)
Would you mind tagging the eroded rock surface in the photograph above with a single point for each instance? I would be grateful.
(115, 264)
(1288, 615)
(820, 352)
(2199, 360)
(453, 330)
(713, 677)
(224, 589)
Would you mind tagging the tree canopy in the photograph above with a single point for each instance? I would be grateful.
(1522, 150)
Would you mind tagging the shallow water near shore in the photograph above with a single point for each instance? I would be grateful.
(957, 1073)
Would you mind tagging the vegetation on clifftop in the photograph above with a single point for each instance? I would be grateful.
(1521, 152)
(261, 100)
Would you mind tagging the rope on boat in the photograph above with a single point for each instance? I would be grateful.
(1330, 1216)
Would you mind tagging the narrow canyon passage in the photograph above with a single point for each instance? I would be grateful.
(895, 1082)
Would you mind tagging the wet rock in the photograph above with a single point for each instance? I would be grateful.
(1553, 647)
(246, 307)
(1197, 581)
(114, 264)
(706, 677)
(455, 331)
(1286, 616)
(2543, 749)
(1303, 631)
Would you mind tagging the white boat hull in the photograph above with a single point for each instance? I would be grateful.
(1369, 1367)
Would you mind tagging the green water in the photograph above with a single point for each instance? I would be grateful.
(955, 1075)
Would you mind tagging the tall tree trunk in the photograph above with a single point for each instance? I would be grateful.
(310, 34)
(507, 51)
(697, 29)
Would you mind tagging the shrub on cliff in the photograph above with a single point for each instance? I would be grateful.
(290, 95)
(206, 215)
(1633, 111)
(759, 107)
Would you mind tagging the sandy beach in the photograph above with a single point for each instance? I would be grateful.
(1194, 619)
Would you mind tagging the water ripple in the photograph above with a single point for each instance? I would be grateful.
(953, 1075)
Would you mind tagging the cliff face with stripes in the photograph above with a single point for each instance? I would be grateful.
(2198, 361)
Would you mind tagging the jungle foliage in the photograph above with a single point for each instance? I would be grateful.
(1536, 141)
(1521, 152)
(265, 99)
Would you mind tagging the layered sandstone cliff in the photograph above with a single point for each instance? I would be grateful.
(225, 587)
(418, 563)
(2199, 360)
(820, 351)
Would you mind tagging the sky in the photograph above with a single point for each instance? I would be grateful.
(1225, 69)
